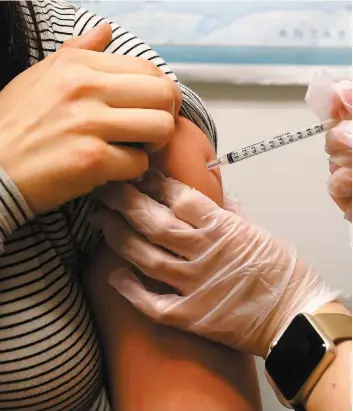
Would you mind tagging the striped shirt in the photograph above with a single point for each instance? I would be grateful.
(49, 352)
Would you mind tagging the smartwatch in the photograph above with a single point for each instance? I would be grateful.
(300, 356)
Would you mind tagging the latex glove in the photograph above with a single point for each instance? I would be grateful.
(236, 283)
(339, 147)
(334, 100)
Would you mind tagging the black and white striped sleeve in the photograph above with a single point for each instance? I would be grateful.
(14, 211)
(125, 43)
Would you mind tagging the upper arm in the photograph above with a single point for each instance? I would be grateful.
(189, 373)
(184, 158)
(126, 43)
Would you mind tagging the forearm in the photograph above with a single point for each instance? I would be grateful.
(333, 391)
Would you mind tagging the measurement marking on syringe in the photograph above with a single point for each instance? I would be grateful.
(271, 144)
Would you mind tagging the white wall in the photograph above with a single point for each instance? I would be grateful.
(283, 190)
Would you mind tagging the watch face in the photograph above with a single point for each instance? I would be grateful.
(295, 356)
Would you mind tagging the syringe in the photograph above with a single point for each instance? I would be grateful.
(267, 145)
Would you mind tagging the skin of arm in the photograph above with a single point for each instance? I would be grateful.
(333, 391)
(154, 367)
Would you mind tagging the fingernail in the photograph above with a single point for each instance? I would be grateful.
(92, 32)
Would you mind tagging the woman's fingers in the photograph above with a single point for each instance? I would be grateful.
(96, 39)
(136, 91)
(63, 142)
(116, 65)
(80, 167)
(127, 125)
(124, 163)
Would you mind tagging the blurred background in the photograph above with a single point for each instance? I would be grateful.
(251, 63)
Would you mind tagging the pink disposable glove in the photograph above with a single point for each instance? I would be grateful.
(334, 100)
(235, 283)
(339, 147)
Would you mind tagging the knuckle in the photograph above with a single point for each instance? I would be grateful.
(141, 165)
(75, 84)
(167, 95)
(136, 163)
(79, 120)
(193, 271)
(148, 67)
(166, 317)
(185, 200)
(65, 55)
(73, 81)
(159, 233)
(158, 264)
(166, 125)
(143, 66)
(89, 155)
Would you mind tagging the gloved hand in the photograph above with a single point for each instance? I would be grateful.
(339, 147)
(334, 100)
(235, 283)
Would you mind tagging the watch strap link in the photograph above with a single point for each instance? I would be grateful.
(338, 327)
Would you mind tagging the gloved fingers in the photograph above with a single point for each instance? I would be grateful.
(234, 207)
(231, 202)
(328, 99)
(155, 262)
(339, 138)
(166, 309)
(333, 167)
(198, 210)
(163, 250)
(340, 183)
(342, 159)
(117, 232)
(164, 190)
(342, 101)
(151, 219)
(320, 95)
(187, 204)
(120, 196)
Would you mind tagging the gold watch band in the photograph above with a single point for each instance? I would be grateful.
(338, 327)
